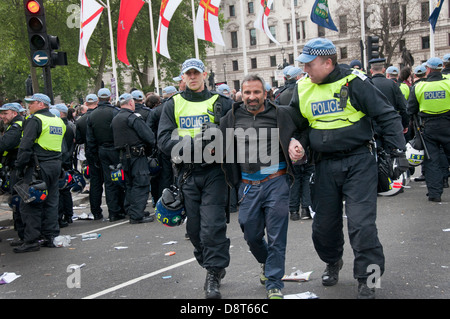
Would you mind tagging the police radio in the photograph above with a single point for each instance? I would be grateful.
(343, 95)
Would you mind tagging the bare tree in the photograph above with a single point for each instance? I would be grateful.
(390, 20)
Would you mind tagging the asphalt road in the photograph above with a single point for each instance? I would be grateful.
(130, 262)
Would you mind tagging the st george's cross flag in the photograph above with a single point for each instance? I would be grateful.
(89, 15)
(166, 12)
(261, 21)
(207, 22)
(128, 12)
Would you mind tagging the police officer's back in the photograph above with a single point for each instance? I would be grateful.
(134, 140)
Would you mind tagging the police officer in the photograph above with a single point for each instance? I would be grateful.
(430, 99)
(138, 97)
(390, 89)
(40, 145)
(65, 196)
(134, 139)
(292, 76)
(392, 73)
(338, 104)
(9, 146)
(203, 185)
(446, 69)
(95, 170)
(100, 142)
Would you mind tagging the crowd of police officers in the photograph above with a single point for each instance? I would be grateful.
(39, 156)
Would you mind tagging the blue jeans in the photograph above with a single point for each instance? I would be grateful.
(266, 206)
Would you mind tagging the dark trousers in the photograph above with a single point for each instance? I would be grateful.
(42, 218)
(205, 199)
(137, 181)
(354, 179)
(95, 188)
(115, 193)
(300, 191)
(436, 136)
(164, 179)
(65, 207)
(18, 224)
(265, 209)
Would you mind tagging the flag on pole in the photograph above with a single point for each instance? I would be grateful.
(166, 12)
(129, 10)
(89, 15)
(435, 14)
(320, 14)
(207, 22)
(261, 20)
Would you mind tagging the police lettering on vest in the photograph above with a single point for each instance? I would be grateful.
(326, 107)
(436, 95)
(192, 122)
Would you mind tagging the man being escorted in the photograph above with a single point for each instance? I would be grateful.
(39, 157)
(202, 184)
(264, 191)
(430, 99)
(133, 139)
(339, 105)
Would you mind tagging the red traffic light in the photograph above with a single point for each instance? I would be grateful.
(33, 6)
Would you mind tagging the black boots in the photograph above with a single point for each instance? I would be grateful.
(212, 283)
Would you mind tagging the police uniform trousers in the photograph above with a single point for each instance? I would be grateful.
(42, 218)
(436, 135)
(164, 178)
(18, 224)
(265, 209)
(352, 178)
(114, 192)
(95, 188)
(205, 199)
(300, 191)
(137, 181)
(65, 207)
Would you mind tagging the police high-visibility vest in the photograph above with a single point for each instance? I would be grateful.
(446, 76)
(9, 126)
(191, 115)
(433, 97)
(320, 104)
(53, 130)
(405, 90)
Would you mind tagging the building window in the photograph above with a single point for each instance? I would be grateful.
(395, 14)
(320, 31)
(234, 39)
(273, 60)
(252, 36)
(344, 54)
(425, 11)
(237, 85)
(253, 63)
(303, 30)
(273, 32)
(251, 8)
(426, 42)
(343, 24)
(297, 28)
(232, 11)
(288, 31)
(235, 65)
(291, 58)
(274, 82)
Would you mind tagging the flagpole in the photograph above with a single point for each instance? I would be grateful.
(244, 42)
(195, 32)
(432, 51)
(113, 53)
(363, 37)
(294, 32)
(152, 33)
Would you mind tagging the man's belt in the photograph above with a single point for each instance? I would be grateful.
(271, 176)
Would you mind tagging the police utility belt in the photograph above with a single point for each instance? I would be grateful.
(318, 156)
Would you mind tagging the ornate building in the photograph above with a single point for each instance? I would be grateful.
(401, 25)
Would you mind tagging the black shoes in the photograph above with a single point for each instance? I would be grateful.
(435, 199)
(330, 277)
(145, 219)
(212, 283)
(27, 247)
(116, 217)
(305, 213)
(294, 215)
(364, 292)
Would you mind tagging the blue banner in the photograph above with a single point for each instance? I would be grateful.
(435, 15)
(320, 14)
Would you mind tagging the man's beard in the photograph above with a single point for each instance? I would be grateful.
(253, 107)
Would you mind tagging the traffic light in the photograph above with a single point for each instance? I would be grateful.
(42, 45)
(37, 32)
(373, 46)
